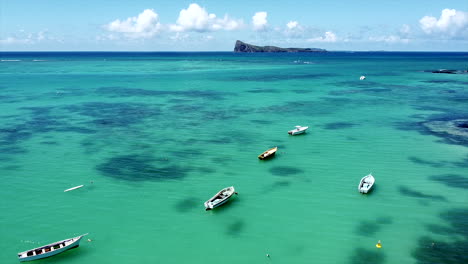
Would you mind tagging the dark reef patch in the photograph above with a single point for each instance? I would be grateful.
(302, 91)
(187, 204)
(367, 256)
(372, 227)
(454, 131)
(339, 125)
(446, 81)
(50, 143)
(281, 184)
(448, 71)
(451, 180)
(140, 168)
(114, 114)
(416, 194)
(280, 77)
(262, 122)
(11, 167)
(326, 105)
(434, 164)
(285, 171)
(129, 92)
(365, 91)
(235, 228)
(431, 250)
(264, 90)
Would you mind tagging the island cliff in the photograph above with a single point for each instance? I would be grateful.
(245, 47)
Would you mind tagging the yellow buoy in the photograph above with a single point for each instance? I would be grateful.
(378, 245)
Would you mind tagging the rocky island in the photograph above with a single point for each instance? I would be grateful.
(245, 47)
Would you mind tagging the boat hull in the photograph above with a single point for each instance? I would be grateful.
(217, 201)
(52, 252)
(366, 184)
(268, 154)
(298, 131)
(209, 207)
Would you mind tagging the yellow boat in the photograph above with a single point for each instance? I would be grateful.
(269, 153)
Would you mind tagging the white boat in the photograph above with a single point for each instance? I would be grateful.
(366, 183)
(220, 198)
(268, 153)
(298, 130)
(73, 188)
(362, 78)
(50, 249)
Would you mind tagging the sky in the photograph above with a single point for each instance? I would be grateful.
(215, 25)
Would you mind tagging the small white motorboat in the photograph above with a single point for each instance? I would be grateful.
(268, 153)
(50, 249)
(220, 198)
(366, 183)
(298, 130)
(362, 78)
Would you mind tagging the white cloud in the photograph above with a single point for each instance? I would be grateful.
(13, 40)
(259, 21)
(405, 29)
(292, 25)
(452, 23)
(26, 38)
(196, 18)
(179, 36)
(145, 25)
(328, 37)
(389, 39)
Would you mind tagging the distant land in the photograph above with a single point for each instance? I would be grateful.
(245, 47)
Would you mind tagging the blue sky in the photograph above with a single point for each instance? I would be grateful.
(215, 25)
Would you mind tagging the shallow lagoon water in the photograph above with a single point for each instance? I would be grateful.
(153, 135)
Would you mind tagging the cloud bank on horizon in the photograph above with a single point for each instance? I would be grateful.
(196, 24)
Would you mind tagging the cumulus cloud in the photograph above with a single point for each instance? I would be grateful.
(451, 23)
(294, 30)
(259, 21)
(196, 18)
(292, 25)
(27, 38)
(145, 25)
(389, 39)
(405, 29)
(328, 37)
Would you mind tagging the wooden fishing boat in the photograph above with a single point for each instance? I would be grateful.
(50, 249)
(298, 130)
(269, 153)
(366, 183)
(220, 198)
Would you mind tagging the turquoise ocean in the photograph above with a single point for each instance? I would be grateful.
(152, 136)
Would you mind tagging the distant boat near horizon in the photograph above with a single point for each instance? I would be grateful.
(50, 249)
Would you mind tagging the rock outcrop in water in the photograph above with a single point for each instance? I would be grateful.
(245, 47)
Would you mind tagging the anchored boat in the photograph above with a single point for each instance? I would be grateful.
(220, 198)
(50, 249)
(269, 153)
(298, 130)
(366, 183)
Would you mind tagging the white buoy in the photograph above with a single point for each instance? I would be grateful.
(362, 77)
(73, 188)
